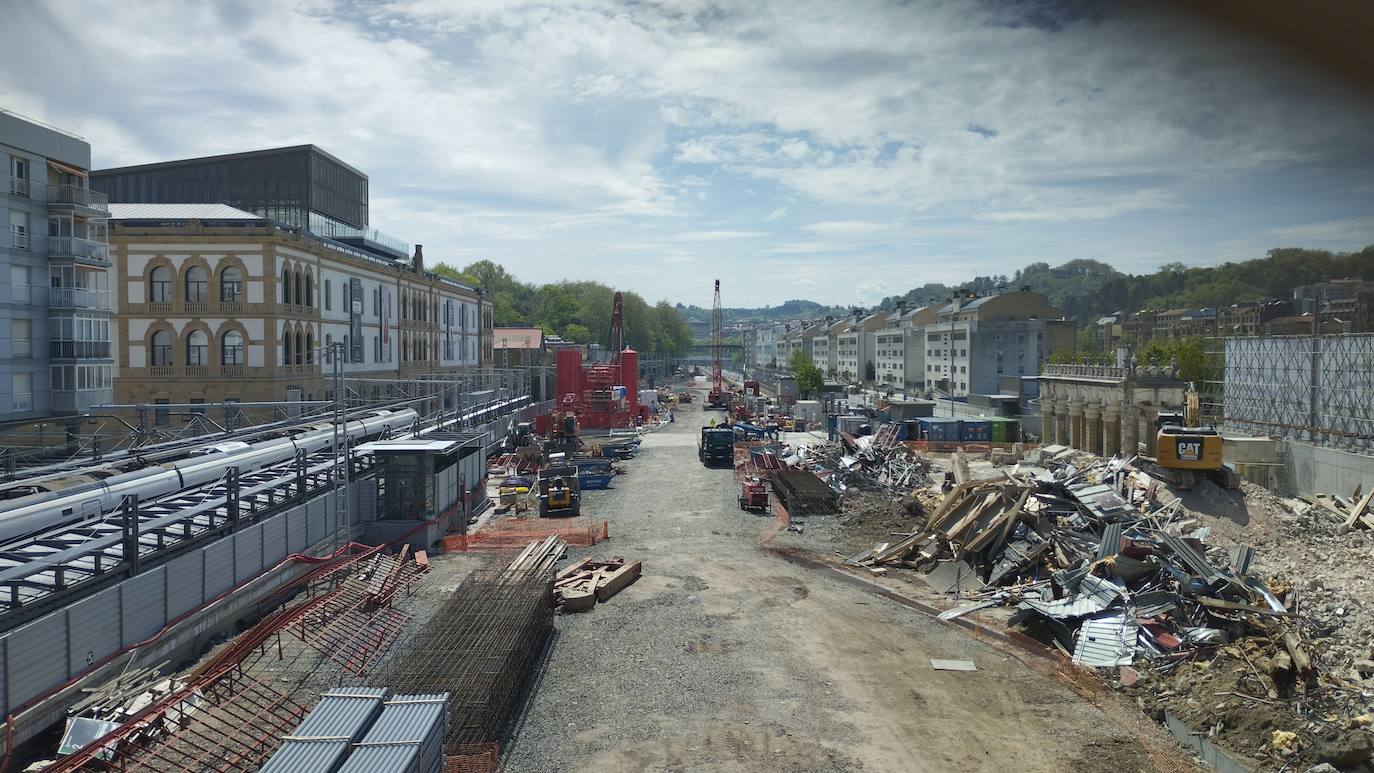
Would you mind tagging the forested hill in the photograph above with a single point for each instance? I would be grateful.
(577, 311)
(794, 309)
(1087, 289)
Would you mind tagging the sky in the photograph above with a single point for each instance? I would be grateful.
(835, 151)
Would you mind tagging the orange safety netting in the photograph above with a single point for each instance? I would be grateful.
(515, 533)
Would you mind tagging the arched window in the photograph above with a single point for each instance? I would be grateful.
(300, 291)
(309, 346)
(328, 299)
(309, 289)
(197, 348)
(197, 288)
(286, 348)
(231, 348)
(230, 284)
(162, 348)
(300, 348)
(160, 285)
(405, 313)
(286, 284)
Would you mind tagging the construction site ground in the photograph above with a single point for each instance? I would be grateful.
(727, 656)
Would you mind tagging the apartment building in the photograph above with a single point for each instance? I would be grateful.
(900, 348)
(55, 357)
(217, 304)
(974, 342)
(854, 347)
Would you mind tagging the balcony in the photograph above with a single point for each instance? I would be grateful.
(197, 371)
(88, 202)
(79, 350)
(19, 240)
(79, 249)
(80, 400)
(78, 298)
(18, 186)
(162, 371)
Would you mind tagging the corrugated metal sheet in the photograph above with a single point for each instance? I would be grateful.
(185, 583)
(178, 212)
(142, 600)
(1153, 603)
(273, 540)
(295, 530)
(1110, 543)
(1104, 642)
(219, 567)
(94, 629)
(34, 662)
(307, 756)
(400, 757)
(344, 712)
(1094, 595)
(247, 554)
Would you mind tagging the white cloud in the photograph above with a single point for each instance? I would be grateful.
(776, 214)
(845, 227)
(713, 236)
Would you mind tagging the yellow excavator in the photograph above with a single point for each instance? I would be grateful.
(1186, 450)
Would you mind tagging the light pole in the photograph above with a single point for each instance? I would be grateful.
(334, 353)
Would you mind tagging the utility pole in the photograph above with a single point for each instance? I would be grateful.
(340, 437)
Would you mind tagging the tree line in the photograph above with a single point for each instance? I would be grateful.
(1088, 289)
(576, 311)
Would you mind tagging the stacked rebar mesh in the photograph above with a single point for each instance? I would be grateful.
(481, 647)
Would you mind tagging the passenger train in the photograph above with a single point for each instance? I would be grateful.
(91, 494)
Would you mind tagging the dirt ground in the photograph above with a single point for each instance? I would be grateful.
(726, 657)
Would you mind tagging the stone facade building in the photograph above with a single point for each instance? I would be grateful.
(215, 304)
(1107, 410)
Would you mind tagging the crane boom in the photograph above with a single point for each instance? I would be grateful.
(716, 398)
(617, 328)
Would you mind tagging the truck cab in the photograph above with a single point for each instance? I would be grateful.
(716, 446)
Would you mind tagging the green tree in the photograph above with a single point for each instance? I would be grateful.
(577, 333)
(808, 376)
(1195, 363)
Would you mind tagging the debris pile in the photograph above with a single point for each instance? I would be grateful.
(580, 586)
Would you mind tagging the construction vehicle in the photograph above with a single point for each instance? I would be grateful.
(559, 491)
(716, 446)
(1185, 450)
(753, 495)
(564, 433)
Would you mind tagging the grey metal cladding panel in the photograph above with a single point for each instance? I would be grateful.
(185, 583)
(312, 756)
(95, 627)
(143, 599)
(219, 567)
(296, 541)
(274, 540)
(247, 553)
(317, 528)
(385, 758)
(363, 501)
(34, 664)
(4, 709)
(341, 713)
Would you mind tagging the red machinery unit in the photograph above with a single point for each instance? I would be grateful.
(602, 395)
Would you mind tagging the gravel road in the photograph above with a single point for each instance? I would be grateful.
(725, 657)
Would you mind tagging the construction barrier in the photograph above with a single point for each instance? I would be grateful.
(513, 534)
(473, 758)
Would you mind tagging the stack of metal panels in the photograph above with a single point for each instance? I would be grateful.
(408, 737)
(324, 737)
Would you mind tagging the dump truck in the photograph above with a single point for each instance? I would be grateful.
(716, 446)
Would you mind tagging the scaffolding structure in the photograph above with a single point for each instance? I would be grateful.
(482, 647)
(1316, 388)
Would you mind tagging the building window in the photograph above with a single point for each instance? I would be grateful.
(196, 285)
(300, 289)
(309, 346)
(197, 348)
(309, 290)
(286, 348)
(162, 348)
(21, 338)
(328, 300)
(300, 348)
(230, 284)
(346, 288)
(231, 348)
(376, 349)
(160, 285)
(286, 285)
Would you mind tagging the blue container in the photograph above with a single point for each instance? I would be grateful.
(975, 430)
(939, 430)
(594, 480)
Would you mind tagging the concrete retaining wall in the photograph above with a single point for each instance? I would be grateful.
(1314, 470)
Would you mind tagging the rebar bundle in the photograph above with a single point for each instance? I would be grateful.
(481, 647)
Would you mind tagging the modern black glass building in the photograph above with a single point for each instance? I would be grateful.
(301, 187)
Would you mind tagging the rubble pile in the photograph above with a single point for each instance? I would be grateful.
(866, 462)
(1104, 563)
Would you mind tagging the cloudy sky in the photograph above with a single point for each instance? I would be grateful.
(839, 151)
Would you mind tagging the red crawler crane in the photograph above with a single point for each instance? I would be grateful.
(717, 398)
